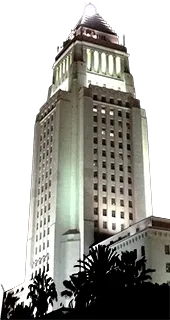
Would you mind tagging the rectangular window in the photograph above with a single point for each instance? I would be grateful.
(128, 136)
(104, 225)
(113, 201)
(95, 140)
(121, 167)
(95, 174)
(43, 245)
(119, 102)
(112, 144)
(104, 212)
(95, 118)
(103, 164)
(113, 226)
(103, 132)
(49, 206)
(112, 166)
(119, 112)
(95, 151)
(111, 122)
(103, 99)
(130, 204)
(130, 192)
(48, 218)
(129, 169)
(128, 147)
(104, 176)
(122, 203)
(104, 200)
(122, 227)
(95, 198)
(121, 179)
(103, 142)
(127, 113)
(129, 180)
(167, 249)
(120, 124)
(121, 191)
(96, 224)
(128, 126)
(111, 133)
(96, 211)
(120, 134)
(95, 186)
(44, 221)
(47, 243)
(104, 188)
(95, 97)
(112, 189)
(95, 129)
(95, 163)
(48, 231)
(113, 213)
(104, 153)
(112, 155)
(103, 120)
(122, 215)
(168, 267)
(111, 101)
(44, 233)
(120, 145)
(142, 251)
(112, 177)
(40, 223)
(130, 216)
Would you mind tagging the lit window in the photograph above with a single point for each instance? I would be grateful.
(111, 133)
(103, 131)
(103, 110)
(95, 163)
(103, 59)
(88, 59)
(94, 109)
(96, 61)
(110, 64)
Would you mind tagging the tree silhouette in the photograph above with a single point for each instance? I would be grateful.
(102, 276)
(9, 302)
(42, 294)
(21, 312)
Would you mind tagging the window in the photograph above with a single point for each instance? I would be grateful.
(103, 142)
(122, 227)
(112, 155)
(104, 212)
(103, 99)
(40, 248)
(120, 134)
(95, 163)
(40, 223)
(104, 153)
(95, 198)
(111, 101)
(47, 267)
(167, 267)
(121, 167)
(113, 213)
(121, 191)
(44, 221)
(104, 225)
(120, 145)
(113, 226)
(122, 203)
(49, 183)
(119, 102)
(95, 118)
(95, 210)
(94, 108)
(95, 129)
(129, 180)
(121, 179)
(43, 245)
(36, 237)
(95, 186)
(104, 188)
(113, 201)
(37, 214)
(104, 176)
(49, 206)
(129, 169)
(47, 243)
(37, 226)
(95, 151)
(111, 122)
(130, 192)
(120, 124)
(95, 174)
(128, 126)
(127, 113)
(104, 200)
(167, 249)
(103, 164)
(112, 166)
(142, 251)
(111, 133)
(112, 189)
(112, 144)
(103, 132)
(49, 195)
(130, 204)
(103, 110)
(35, 250)
(103, 120)
(96, 224)
(95, 97)
(119, 112)
(44, 233)
(130, 216)
(40, 236)
(112, 177)
(122, 215)
(48, 231)
(95, 140)
(48, 218)
(128, 136)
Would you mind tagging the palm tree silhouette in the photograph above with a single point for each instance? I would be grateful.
(9, 302)
(101, 272)
(42, 294)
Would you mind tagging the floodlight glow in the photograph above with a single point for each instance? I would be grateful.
(89, 10)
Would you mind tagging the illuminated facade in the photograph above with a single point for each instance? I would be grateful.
(90, 174)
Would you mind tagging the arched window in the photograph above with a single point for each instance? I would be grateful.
(88, 59)
(96, 61)
(103, 58)
(110, 64)
(118, 66)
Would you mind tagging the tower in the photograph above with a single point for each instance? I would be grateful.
(90, 171)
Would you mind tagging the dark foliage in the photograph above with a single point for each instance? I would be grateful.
(9, 302)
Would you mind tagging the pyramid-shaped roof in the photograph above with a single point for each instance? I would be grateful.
(94, 21)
